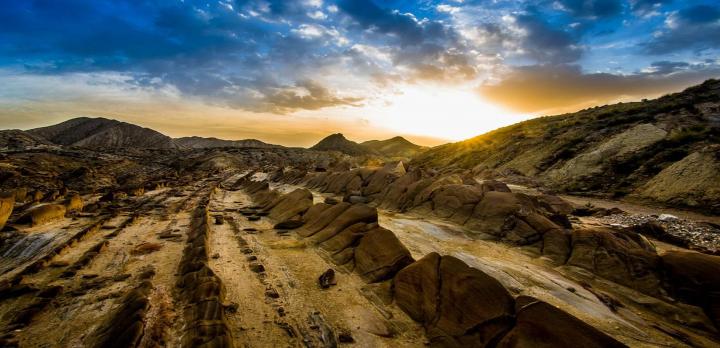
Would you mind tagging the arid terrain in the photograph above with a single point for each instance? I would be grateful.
(118, 236)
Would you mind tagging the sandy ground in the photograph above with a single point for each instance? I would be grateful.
(287, 297)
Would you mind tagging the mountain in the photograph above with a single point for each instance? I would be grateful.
(394, 147)
(103, 133)
(666, 150)
(338, 142)
(17, 139)
(203, 143)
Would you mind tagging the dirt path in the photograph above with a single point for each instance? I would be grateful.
(283, 305)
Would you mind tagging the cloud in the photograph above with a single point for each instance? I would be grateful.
(591, 8)
(532, 89)
(692, 28)
(546, 43)
(305, 95)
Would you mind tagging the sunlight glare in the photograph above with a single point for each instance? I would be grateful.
(453, 114)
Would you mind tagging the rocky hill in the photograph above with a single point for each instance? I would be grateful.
(338, 142)
(103, 133)
(666, 150)
(17, 139)
(395, 147)
(205, 143)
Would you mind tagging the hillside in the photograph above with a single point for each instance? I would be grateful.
(664, 149)
(103, 133)
(338, 142)
(205, 143)
(394, 147)
(17, 139)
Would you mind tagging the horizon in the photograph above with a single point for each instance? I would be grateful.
(292, 72)
(415, 139)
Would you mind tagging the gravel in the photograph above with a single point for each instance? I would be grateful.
(702, 234)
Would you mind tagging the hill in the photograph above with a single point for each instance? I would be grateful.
(394, 147)
(664, 149)
(338, 142)
(205, 143)
(17, 139)
(103, 133)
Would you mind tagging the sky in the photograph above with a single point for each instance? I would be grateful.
(292, 72)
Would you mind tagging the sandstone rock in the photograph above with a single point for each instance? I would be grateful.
(354, 214)
(346, 238)
(323, 219)
(74, 203)
(542, 325)
(455, 202)
(43, 214)
(474, 309)
(618, 256)
(417, 286)
(380, 255)
(327, 279)
(294, 203)
(494, 185)
(695, 278)
(7, 203)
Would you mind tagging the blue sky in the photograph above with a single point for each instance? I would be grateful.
(344, 63)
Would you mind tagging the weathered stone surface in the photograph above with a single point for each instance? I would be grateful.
(695, 278)
(417, 287)
(294, 203)
(380, 255)
(474, 309)
(539, 324)
(346, 238)
(455, 201)
(323, 219)
(7, 202)
(74, 203)
(618, 256)
(354, 214)
(556, 245)
(43, 214)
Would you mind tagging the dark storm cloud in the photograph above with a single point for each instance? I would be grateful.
(543, 88)
(692, 28)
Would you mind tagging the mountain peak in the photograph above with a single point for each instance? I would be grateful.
(100, 132)
(338, 142)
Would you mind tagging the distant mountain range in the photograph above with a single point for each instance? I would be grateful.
(103, 133)
(204, 143)
(397, 147)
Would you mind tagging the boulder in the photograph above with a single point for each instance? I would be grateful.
(695, 278)
(494, 185)
(416, 288)
(455, 202)
(323, 219)
(380, 255)
(74, 203)
(43, 214)
(354, 214)
(346, 238)
(556, 246)
(540, 325)
(315, 211)
(291, 204)
(616, 255)
(7, 203)
(473, 309)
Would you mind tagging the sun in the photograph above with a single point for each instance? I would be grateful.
(442, 112)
